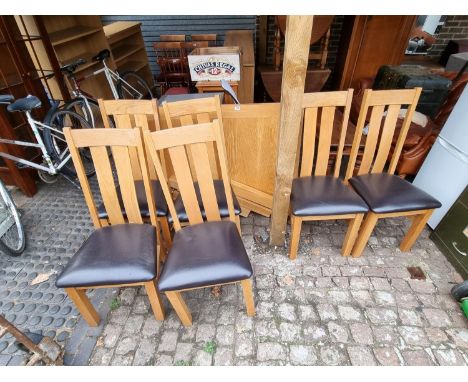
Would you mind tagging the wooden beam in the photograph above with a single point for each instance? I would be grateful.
(296, 56)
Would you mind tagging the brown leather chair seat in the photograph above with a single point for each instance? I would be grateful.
(161, 205)
(324, 195)
(205, 254)
(220, 197)
(386, 193)
(118, 254)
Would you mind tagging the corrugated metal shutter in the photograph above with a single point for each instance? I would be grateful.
(153, 26)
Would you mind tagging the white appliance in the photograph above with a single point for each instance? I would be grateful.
(444, 173)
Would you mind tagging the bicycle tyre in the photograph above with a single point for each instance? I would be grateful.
(78, 105)
(8, 210)
(55, 148)
(136, 82)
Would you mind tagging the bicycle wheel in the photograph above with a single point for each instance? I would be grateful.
(88, 109)
(57, 146)
(12, 236)
(134, 87)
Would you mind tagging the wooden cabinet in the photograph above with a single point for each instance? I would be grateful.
(367, 43)
(128, 48)
(74, 37)
(451, 235)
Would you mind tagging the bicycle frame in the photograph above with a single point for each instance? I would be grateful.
(35, 126)
(111, 77)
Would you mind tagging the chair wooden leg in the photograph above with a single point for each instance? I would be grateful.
(364, 233)
(155, 300)
(180, 307)
(418, 224)
(351, 234)
(296, 223)
(248, 296)
(166, 232)
(238, 224)
(84, 306)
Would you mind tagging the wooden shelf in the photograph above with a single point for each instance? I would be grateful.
(122, 52)
(70, 34)
(131, 65)
(120, 30)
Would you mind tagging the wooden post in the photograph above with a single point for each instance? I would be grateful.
(296, 57)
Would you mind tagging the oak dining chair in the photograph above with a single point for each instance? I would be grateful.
(199, 111)
(386, 194)
(208, 252)
(125, 252)
(319, 193)
(143, 114)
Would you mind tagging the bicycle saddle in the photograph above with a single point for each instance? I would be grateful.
(6, 98)
(71, 67)
(102, 55)
(25, 104)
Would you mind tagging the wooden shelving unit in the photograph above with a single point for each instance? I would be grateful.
(128, 48)
(74, 37)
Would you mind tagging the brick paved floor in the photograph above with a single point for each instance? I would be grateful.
(322, 309)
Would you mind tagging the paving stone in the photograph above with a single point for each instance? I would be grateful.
(183, 352)
(267, 351)
(385, 334)
(205, 332)
(307, 313)
(101, 357)
(410, 317)
(144, 355)
(437, 317)
(384, 298)
(417, 358)
(359, 283)
(125, 345)
(361, 356)
(314, 333)
(381, 316)
(332, 355)
(151, 326)
(163, 360)
(225, 335)
(459, 337)
(244, 323)
(223, 357)
(302, 355)
(436, 335)
(290, 332)
(361, 333)
(349, 313)
(413, 335)
(327, 312)
(449, 357)
(287, 312)
(338, 333)
(421, 286)
(168, 341)
(387, 356)
(244, 345)
(380, 283)
(202, 358)
(111, 334)
(133, 324)
(267, 329)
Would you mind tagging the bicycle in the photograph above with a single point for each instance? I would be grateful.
(12, 236)
(128, 85)
(55, 154)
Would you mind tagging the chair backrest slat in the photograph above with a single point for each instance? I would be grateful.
(122, 206)
(325, 136)
(121, 156)
(172, 37)
(323, 107)
(380, 136)
(386, 138)
(193, 139)
(372, 138)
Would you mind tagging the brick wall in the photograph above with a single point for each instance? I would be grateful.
(454, 28)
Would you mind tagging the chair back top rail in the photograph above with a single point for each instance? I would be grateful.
(179, 142)
(118, 142)
(129, 114)
(319, 114)
(384, 107)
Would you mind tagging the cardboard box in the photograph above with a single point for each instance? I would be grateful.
(215, 63)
